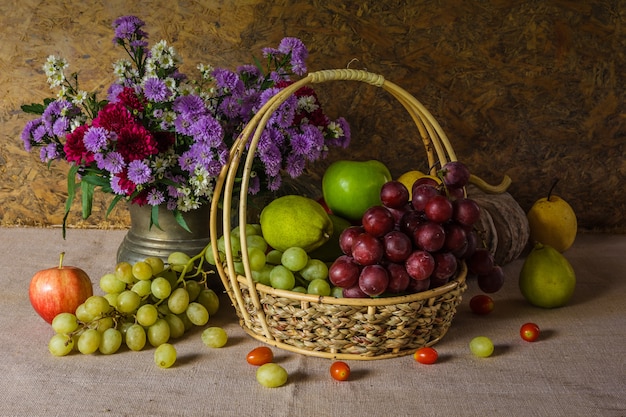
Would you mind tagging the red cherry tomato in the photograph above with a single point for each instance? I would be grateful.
(481, 304)
(426, 355)
(260, 356)
(529, 332)
(340, 371)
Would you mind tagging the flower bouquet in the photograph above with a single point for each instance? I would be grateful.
(161, 138)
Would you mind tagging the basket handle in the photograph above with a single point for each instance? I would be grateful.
(434, 139)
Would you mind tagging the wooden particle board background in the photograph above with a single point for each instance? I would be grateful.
(533, 89)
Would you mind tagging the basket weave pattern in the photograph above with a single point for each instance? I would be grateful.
(341, 328)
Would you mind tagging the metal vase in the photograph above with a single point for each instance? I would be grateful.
(143, 241)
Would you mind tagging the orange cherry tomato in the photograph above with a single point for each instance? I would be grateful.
(426, 355)
(529, 332)
(340, 371)
(260, 356)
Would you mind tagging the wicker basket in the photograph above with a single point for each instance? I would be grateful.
(337, 328)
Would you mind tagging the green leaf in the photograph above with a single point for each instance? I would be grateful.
(87, 190)
(154, 217)
(34, 108)
(71, 192)
(116, 200)
(181, 220)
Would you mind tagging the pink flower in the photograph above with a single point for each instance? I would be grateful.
(74, 147)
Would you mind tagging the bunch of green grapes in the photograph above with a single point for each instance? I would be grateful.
(292, 269)
(146, 303)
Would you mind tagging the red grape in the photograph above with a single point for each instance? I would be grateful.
(410, 221)
(346, 238)
(481, 262)
(344, 272)
(398, 278)
(429, 236)
(481, 304)
(438, 209)
(394, 194)
(424, 181)
(421, 195)
(398, 246)
(466, 211)
(420, 265)
(367, 250)
(445, 266)
(455, 193)
(492, 281)
(455, 174)
(420, 285)
(373, 280)
(378, 221)
(456, 237)
(354, 292)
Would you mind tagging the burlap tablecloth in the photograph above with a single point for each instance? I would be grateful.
(576, 369)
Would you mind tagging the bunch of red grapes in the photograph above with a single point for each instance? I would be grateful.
(407, 246)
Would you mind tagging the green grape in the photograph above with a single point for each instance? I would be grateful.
(135, 337)
(105, 323)
(481, 346)
(197, 314)
(142, 288)
(209, 299)
(97, 305)
(273, 257)
(282, 278)
(142, 270)
(128, 301)
(271, 375)
(109, 283)
(64, 323)
(210, 258)
(193, 288)
(124, 272)
(165, 355)
(256, 227)
(178, 260)
(60, 344)
(299, 289)
(163, 309)
(124, 325)
(110, 342)
(159, 333)
(336, 292)
(186, 322)
(256, 241)
(160, 288)
(177, 326)
(82, 314)
(263, 276)
(178, 301)
(156, 263)
(239, 268)
(214, 337)
(256, 258)
(319, 287)
(89, 341)
(147, 315)
(112, 299)
(314, 269)
(294, 258)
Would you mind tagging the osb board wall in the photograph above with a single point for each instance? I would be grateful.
(534, 89)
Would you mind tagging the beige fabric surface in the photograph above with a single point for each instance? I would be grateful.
(576, 369)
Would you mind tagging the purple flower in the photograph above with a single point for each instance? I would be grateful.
(49, 152)
(127, 28)
(112, 162)
(189, 105)
(139, 172)
(207, 130)
(272, 159)
(228, 81)
(155, 197)
(96, 139)
(28, 134)
(295, 165)
(298, 52)
(155, 89)
(308, 143)
(114, 91)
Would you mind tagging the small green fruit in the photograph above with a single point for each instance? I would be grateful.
(547, 279)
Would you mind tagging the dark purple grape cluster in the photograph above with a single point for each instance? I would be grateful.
(412, 244)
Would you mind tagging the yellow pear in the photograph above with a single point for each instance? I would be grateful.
(552, 221)
(409, 178)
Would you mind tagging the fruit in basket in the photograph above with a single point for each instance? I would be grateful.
(351, 187)
(454, 174)
(331, 250)
(547, 279)
(294, 220)
(552, 221)
(59, 290)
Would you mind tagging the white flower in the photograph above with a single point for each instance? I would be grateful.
(307, 103)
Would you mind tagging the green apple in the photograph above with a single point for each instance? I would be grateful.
(351, 187)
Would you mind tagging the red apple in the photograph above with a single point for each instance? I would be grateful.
(59, 290)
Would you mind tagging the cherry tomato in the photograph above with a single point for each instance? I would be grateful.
(426, 355)
(260, 356)
(529, 332)
(340, 371)
(481, 304)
